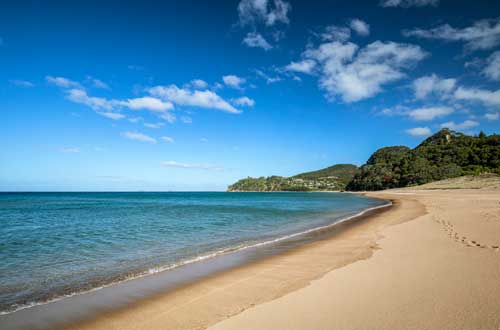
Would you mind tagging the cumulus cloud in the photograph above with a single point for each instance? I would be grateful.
(460, 126)
(147, 103)
(138, 137)
(492, 69)
(62, 82)
(252, 12)
(419, 131)
(172, 163)
(256, 40)
(196, 98)
(244, 101)
(408, 3)
(429, 113)
(355, 74)
(198, 83)
(483, 34)
(360, 27)
(78, 95)
(432, 84)
(167, 139)
(305, 66)
(492, 116)
(491, 98)
(233, 81)
(21, 83)
(71, 150)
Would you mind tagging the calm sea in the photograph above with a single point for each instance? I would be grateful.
(59, 244)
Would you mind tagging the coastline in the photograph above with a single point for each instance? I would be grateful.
(266, 277)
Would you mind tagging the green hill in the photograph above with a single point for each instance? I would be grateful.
(331, 178)
(446, 154)
(344, 172)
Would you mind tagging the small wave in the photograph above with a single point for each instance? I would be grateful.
(156, 270)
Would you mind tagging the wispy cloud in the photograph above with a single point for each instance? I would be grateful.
(429, 113)
(175, 164)
(483, 34)
(155, 125)
(184, 97)
(492, 69)
(198, 83)
(167, 139)
(252, 12)
(419, 131)
(78, 95)
(492, 116)
(427, 85)
(147, 103)
(70, 150)
(460, 126)
(112, 115)
(491, 98)
(256, 40)
(204, 140)
(62, 82)
(408, 3)
(138, 137)
(21, 83)
(305, 66)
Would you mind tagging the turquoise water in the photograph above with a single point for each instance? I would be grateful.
(59, 244)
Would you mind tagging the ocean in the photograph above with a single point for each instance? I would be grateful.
(55, 245)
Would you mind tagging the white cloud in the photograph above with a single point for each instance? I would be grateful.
(244, 101)
(419, 131)
(204, 140)
(359, 74)
(256, 40)
(172, 163)
(97, 83)
(138, 137)
(481, 95)
(432, 84)
(198, 83)
(135, 119)
(62, 82)
(336, 33)
(233, 81)
(461, 126)
(252, 12)
(70, 150)
(492, 69)
(97, 103)
(408, 3)
(169, 117)
(483, 34)
(492, 116)
(304, 66)
(186, 120)
(429, 113)
(167, 139)
(112, 115)
(147, 103)
(360, 27)
(156, 125)
(267, 78)
(185, 97)
(21, 83)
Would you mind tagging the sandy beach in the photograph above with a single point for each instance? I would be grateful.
(432, 261)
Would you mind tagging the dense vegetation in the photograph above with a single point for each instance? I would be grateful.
(332, 178)
(446, 154)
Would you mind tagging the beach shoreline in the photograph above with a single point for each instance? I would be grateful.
(268, 275)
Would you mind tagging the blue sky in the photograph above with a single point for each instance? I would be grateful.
(184, 95)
